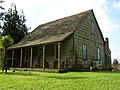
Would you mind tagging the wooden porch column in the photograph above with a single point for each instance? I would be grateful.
(21, 58)
(43, 56)
(13, 58)
(31, 57)
(58, 55)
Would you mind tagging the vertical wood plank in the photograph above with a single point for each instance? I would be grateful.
(58, 55)
(31, 57)
(13, 58)
(21, 58)
(74, 50)
(43, 56)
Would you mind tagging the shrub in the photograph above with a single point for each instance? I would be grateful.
(94, 69)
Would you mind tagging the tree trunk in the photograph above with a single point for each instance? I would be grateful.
(5, 60)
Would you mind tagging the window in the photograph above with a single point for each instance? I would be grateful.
(84, 52)
(93, 28)
(99, 54)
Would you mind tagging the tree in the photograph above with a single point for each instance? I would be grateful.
(1, 1)
(14, 24)
(115, 64)
(5, 42)
(1, 57)
(1, 13)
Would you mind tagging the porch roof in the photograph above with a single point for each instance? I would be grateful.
(41, 41)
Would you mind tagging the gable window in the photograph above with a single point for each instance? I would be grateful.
(84, 51)
(98, 50)
(93, 28)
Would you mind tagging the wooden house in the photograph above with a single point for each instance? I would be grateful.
(72, 42)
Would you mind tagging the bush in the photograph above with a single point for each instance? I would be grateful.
(93, 69)
(101, 68)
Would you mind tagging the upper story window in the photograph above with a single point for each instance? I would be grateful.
(93, 28)
(84, 53)
(99, 52)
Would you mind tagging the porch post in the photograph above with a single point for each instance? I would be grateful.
(13, 58)
(31, 58)
(21, 58)
(43, 56)
(58, 55)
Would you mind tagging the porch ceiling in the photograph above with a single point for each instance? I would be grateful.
(50, 39)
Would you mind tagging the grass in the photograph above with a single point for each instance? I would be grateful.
(23, 80)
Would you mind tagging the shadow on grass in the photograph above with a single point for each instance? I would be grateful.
(21, 73)
(1, 72)
(107, 72)
(66, 78)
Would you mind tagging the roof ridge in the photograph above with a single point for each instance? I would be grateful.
(63, 18)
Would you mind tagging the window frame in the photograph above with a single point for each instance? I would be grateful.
(84, 51)
(98, 54)
(93, 28)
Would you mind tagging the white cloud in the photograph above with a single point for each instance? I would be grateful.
(115, 54)
(116, 4)
(105, 22)
(57, 9)
(41, 11)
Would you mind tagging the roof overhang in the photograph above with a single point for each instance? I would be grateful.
(46, 40)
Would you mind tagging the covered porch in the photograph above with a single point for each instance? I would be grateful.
(40, 56)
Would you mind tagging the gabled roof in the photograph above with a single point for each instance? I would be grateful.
(53, 31)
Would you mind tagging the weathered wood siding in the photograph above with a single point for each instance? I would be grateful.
(67, 53)
(83, 35)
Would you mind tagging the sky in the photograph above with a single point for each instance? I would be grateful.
(107, 13)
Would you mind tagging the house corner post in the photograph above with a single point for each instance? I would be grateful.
(59, 55)
(43, 56)
(21, 58)
(13, 58)
(31, 56)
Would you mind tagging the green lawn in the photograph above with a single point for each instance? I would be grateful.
(21, 80)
